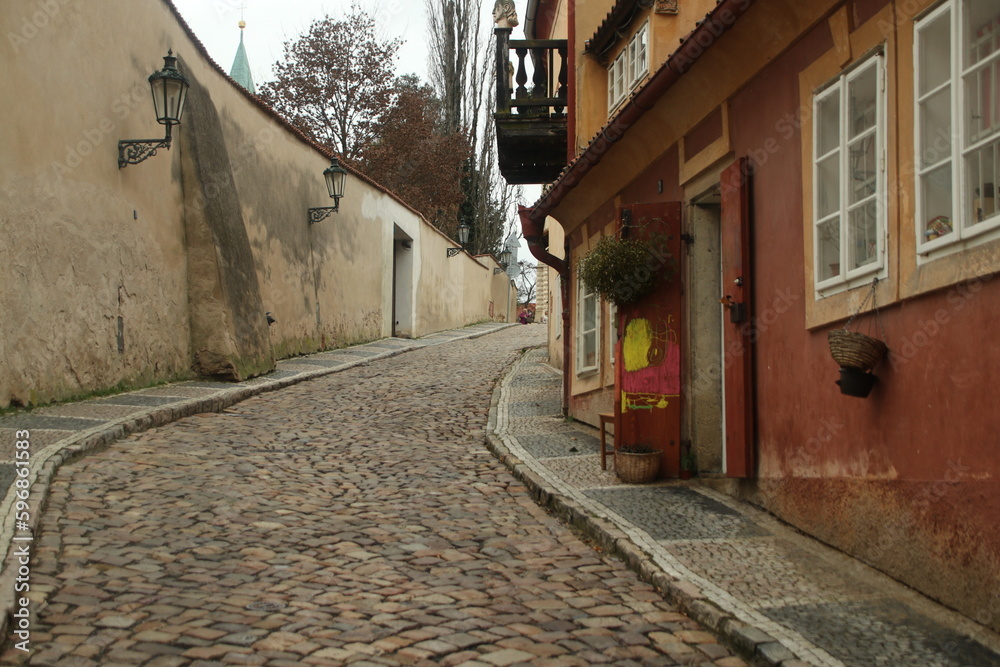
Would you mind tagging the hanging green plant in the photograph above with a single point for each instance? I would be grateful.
(622, 271)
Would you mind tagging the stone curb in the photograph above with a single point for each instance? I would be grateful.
(78, 445)
(753, 643)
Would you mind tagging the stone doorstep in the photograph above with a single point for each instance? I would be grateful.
(102, 435)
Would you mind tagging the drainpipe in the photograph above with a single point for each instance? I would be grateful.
(532, 232)
(571, 83)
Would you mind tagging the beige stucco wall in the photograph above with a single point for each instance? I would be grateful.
(557, 241)
(85, 243)
(191, 247)
(665, 31)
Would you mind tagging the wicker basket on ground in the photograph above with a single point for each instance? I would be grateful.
(637, 467)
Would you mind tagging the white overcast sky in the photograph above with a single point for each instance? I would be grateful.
(271, 23)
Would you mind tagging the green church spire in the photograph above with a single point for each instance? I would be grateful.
(240, 71)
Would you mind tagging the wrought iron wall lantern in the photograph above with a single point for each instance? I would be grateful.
(169, 88)
(505, 258)
(336, 178)
(463, 238)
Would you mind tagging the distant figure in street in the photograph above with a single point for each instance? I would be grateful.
(523, 317)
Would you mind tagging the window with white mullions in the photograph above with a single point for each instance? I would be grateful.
(612, 331)
(616, 80)
(638, 58)
(629, 68)
(957, 55)
(981, 81)
(588, 330)
(848, 177)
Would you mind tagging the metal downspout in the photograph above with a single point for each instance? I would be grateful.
(533, 235)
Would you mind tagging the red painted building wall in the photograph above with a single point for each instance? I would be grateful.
(906, 478)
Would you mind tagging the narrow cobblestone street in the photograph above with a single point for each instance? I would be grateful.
(356, 518)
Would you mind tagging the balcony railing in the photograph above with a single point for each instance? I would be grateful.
(531, 119)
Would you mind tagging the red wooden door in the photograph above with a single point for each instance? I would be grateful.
(648, 359)
(737, 290)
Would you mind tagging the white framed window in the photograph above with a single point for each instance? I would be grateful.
(638, 55)
(629, 68)
(616, 80)
(956, 53)
(849, 177)
(612, 331)
(588, 328)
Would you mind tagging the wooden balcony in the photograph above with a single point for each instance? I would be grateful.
(530, 120)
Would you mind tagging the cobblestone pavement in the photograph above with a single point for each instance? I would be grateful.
(356, 518)
(762, 586)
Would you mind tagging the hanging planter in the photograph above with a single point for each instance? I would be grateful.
(858, 353)
(623, 270)
(853, 349)
(854, 382)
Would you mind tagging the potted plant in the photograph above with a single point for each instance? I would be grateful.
(637, 464)
(623, 270)
(687, 464)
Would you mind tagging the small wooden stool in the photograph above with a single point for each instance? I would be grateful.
(606, 418)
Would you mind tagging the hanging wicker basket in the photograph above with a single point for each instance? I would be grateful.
(856, 352)
(853, 349)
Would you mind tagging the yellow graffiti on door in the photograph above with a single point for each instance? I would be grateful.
(651, 357)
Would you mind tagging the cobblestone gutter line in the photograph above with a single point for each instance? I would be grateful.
(756, 645)
(47, 461)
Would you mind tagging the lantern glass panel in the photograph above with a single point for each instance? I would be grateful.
(336, 179)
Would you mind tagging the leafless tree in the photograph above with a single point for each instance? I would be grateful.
(526, 282)
(463, 74)
(336, 81)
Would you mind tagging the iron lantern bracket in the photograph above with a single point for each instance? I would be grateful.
(134, 151)
(322, 212)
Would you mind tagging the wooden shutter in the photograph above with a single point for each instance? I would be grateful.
(737, 291)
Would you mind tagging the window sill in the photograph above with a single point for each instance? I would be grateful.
(863, 280)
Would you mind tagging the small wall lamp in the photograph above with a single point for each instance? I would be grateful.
(336, 179)
(169, 88)
(463, 238)
(505, 257)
